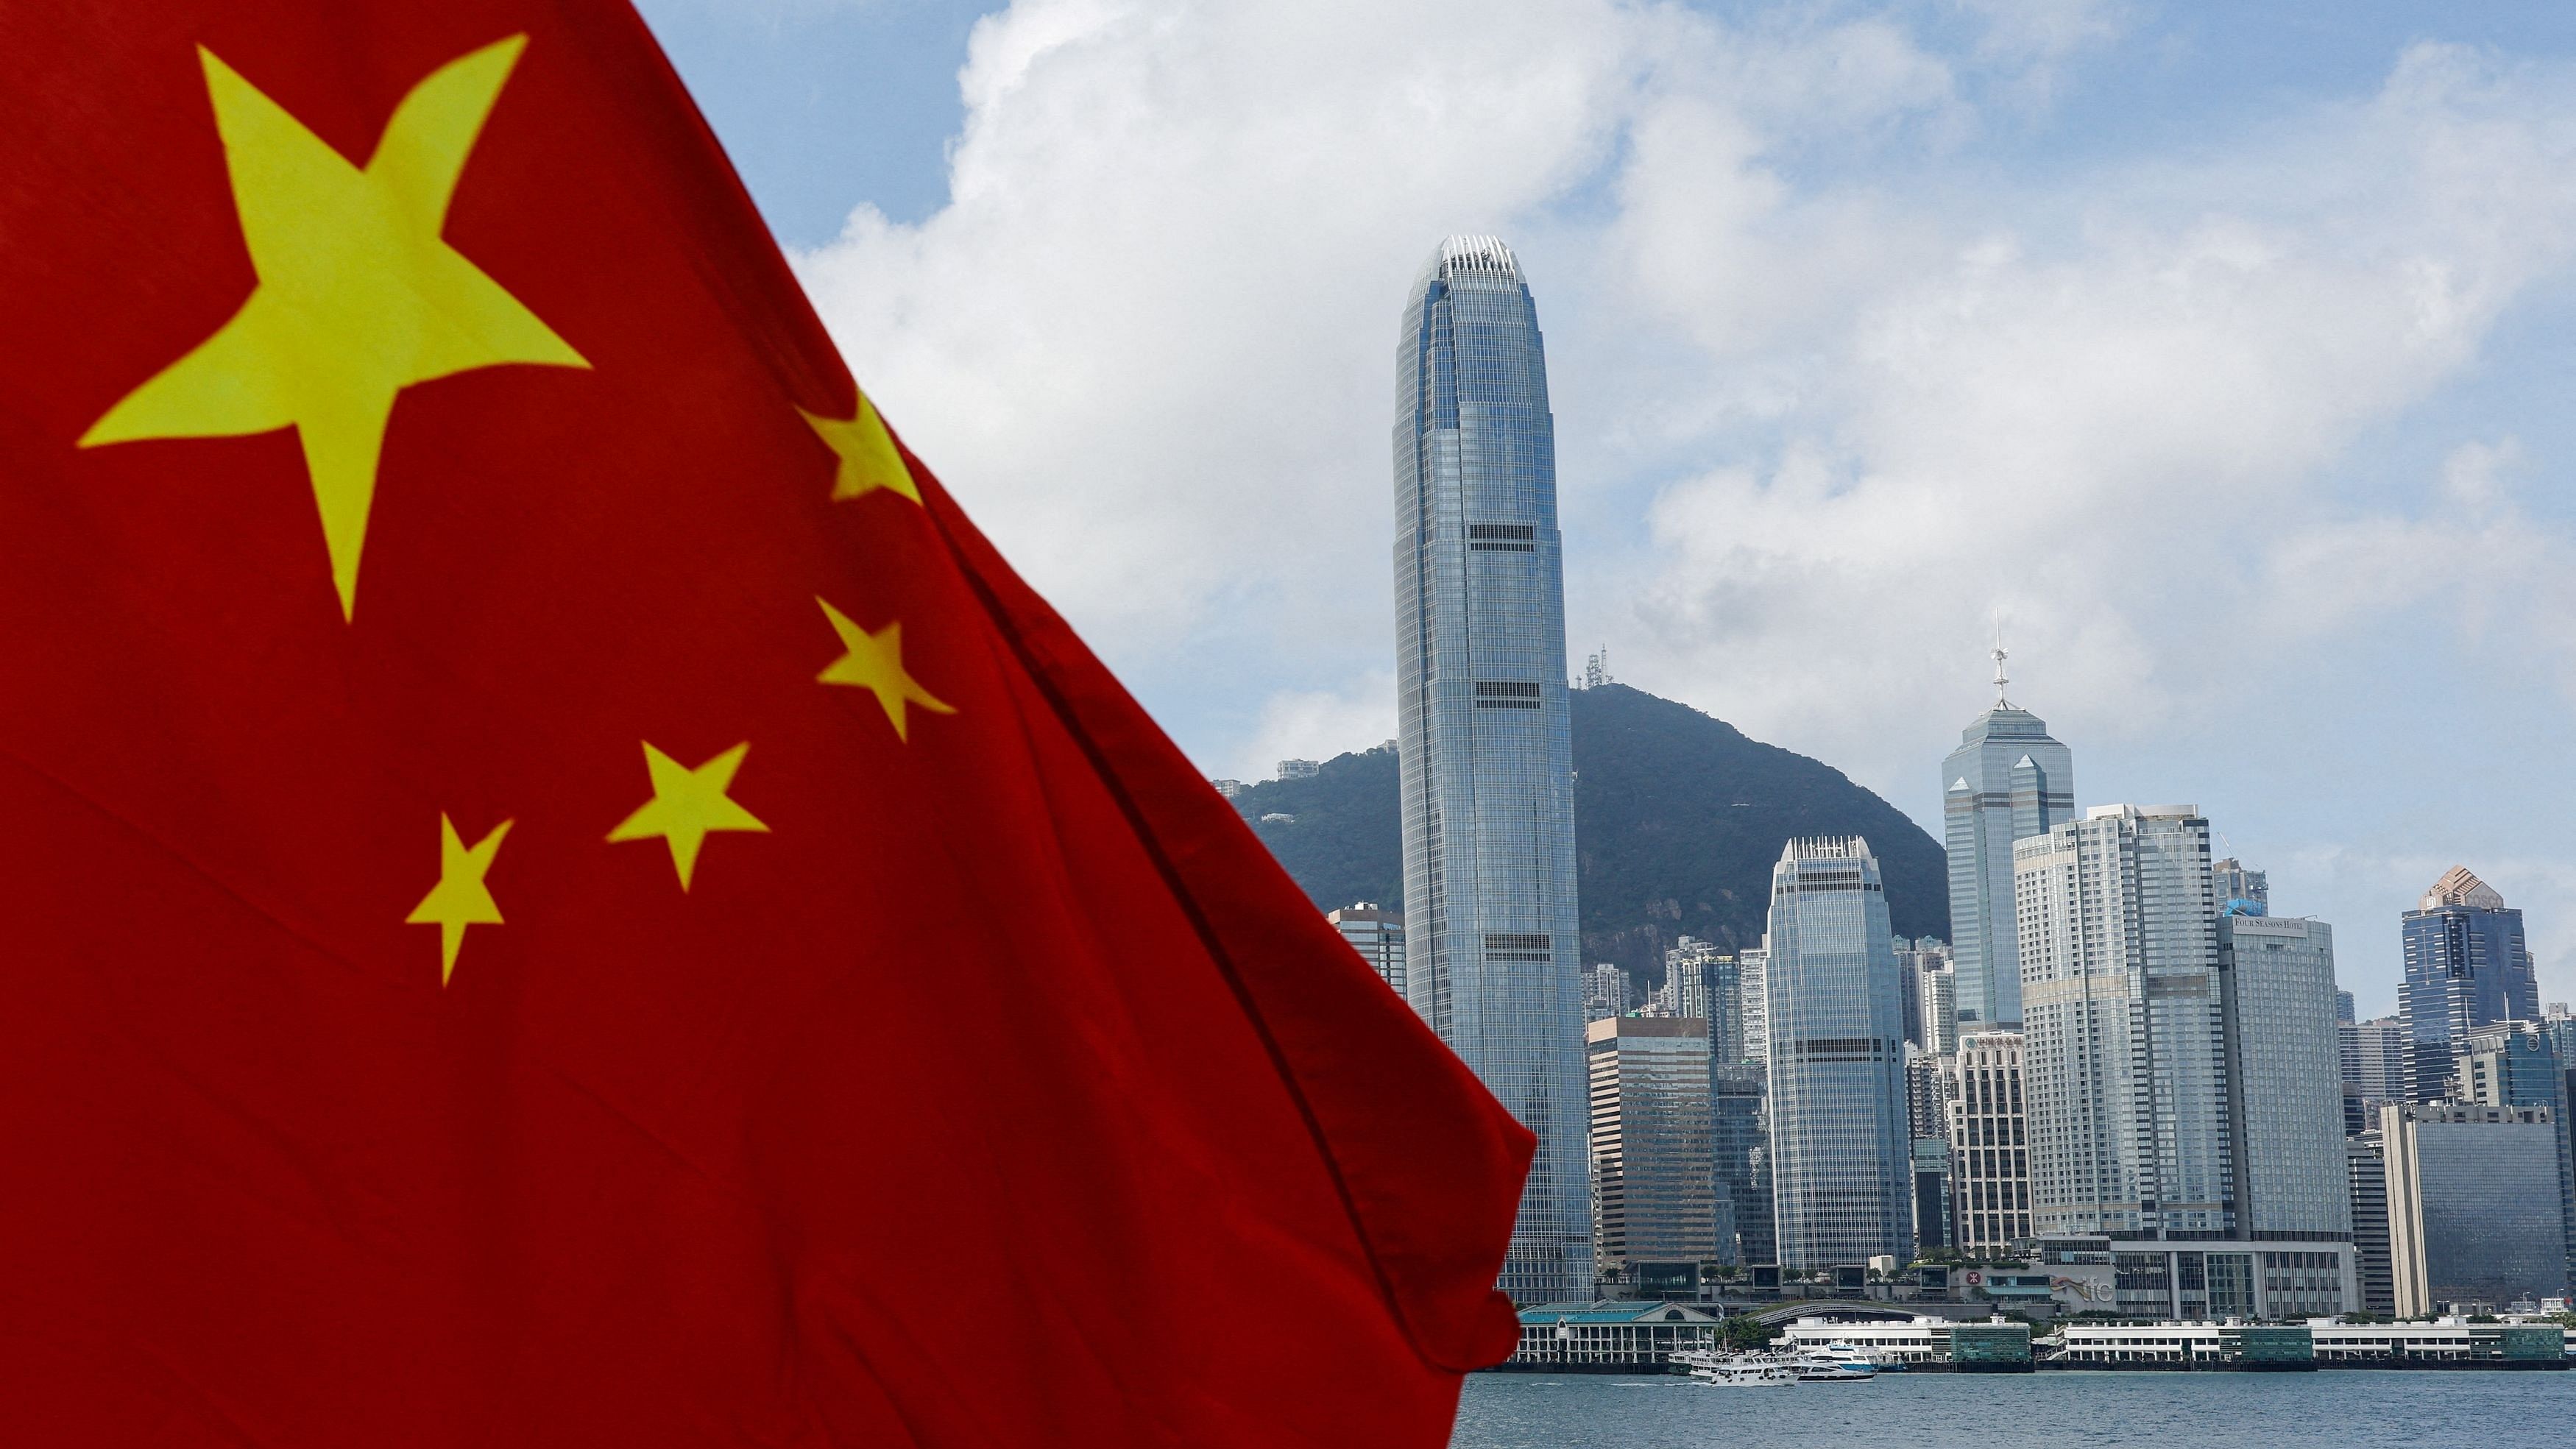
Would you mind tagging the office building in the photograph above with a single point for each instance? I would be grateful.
(1378, 935)
(2202, 1281)
(1484, 754)
(2367, 1179)
(2466, 966)
(2343, 1008)
(2375, 1061)
(1989, 1145)
(2006, 782)
(2238, 890)
(2474, 1213)
(1914, 960)
(2284, 1061)
(2517, 1065)
(2124, 1054)
(1652, 1164)
(1933, 1224)
(1841, 1174)
(1740, 1148)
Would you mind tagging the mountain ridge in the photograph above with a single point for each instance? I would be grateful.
(1678, 818)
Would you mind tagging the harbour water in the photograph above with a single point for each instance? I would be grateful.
(2336, 1409)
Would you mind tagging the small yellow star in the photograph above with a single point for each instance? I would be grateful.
(687, 806)
(358, 298)
(875, 662)
(460, 899)
(866, 451)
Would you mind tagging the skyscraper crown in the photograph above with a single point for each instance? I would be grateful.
(1476, 255)
(2458, 887)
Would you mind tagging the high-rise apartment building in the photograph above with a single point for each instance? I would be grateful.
(1705, 987)
(1841, 1178)
(1378, 935)
(2007, 781)
(1652, 1163)
(2284, 1077)
(2474, 1214)
(1605, 992)
(1484, 751)
(1939, 989)
(1753, 998)
(2124, 1053)
(2466, 965)
(1989, 1145)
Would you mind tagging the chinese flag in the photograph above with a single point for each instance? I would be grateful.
(555, 891)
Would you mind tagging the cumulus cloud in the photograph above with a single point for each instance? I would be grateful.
(1831, 390)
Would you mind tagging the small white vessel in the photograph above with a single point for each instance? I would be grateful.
(1832, 1364)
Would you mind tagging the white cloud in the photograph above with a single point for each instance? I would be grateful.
(1830, 389)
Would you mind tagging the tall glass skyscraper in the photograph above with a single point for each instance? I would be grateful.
(2006, 781)
(1491, 939)
(1841, 1153)
(2466, 965)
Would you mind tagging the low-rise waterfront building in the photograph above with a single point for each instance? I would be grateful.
(1608, 1335)
(2196, 1281)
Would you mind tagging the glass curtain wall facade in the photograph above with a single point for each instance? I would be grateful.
(2007, 781)
(2285, 1075)
(1654, 1177)
(1483, 739)
(2124, 1059)
(1841, 1168)
(2473, 1208)
(2466, 965)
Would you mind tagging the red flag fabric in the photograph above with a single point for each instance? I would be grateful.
(555, 889)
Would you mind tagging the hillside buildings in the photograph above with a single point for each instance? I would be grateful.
(1484, 751)
(2006, 782)
(1840, 1154)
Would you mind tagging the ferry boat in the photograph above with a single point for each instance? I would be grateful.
(1736, 1370)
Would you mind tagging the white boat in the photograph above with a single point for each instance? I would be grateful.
(1835, 1363)
(1736, 1370)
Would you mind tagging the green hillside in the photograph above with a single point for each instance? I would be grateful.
(1677, 821)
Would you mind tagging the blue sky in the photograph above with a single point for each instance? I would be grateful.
(2222, 349)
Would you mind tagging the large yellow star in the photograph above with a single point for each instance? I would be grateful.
(875, 662)
(688, 805)
(460, 899)
(358, 298)
(868, 460)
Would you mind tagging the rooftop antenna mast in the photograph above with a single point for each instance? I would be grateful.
(2000, 681)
